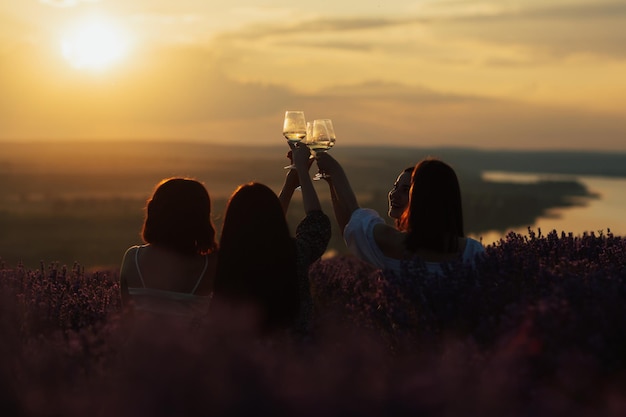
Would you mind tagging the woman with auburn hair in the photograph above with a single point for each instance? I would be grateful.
(261, 266)
(430, 230)
(434, 219)
(174, 270)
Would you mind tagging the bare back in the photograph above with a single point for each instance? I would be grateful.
(153, 267)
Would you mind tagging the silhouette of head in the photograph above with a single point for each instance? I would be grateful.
(434, 219)
(178, 217)
(257, 260)
(398, 196)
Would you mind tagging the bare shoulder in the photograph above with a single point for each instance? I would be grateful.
(128, 270)
(129, 256)
(208, 279)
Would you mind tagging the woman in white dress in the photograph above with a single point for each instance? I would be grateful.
(429, 231)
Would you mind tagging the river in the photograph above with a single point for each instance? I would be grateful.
(598, 214)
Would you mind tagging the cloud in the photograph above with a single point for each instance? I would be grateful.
(338, 45)
(486, 10)
(548, 32)
(66, 3)
(171, 86)
(177, 94)
(558, 31)
(396, 91)
(437, 119)
(320, 26)
(578, 11)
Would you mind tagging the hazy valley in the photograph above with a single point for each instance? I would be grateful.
(83, 201)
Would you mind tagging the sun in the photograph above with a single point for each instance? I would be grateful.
(95, 44)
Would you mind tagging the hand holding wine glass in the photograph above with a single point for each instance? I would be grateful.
(294, 128)
(331, 132)
(321, 140)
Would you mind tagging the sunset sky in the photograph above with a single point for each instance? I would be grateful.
(505, 74)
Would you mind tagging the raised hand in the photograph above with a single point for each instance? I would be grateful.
(326, 163)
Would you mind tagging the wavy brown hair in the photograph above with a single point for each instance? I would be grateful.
(178, 217)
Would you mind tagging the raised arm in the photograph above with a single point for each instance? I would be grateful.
(343, 198)
(301, 159)
(291, 183)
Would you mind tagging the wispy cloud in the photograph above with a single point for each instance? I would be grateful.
(378, 89)
(485, 10)
(320, 26)
(593, 29)
(188, 97)
(329, 45)
(66, 3)
(579, 11)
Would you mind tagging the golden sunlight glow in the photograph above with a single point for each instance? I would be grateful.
(95, 44)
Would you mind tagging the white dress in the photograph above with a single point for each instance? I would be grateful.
(359, 237)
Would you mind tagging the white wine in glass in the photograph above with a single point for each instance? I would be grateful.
(320, 141)
(294, 128)
(331, 131)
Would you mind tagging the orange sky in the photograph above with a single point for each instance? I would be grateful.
(489, 74)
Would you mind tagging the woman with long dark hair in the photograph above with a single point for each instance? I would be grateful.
(261, 266)
(430, 228)
(175, 267)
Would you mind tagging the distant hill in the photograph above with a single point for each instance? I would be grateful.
(610, 164)
(84, 201)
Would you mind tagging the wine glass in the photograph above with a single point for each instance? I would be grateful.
(294, 128)
(320, 141)
(309, 130)
(331, 131)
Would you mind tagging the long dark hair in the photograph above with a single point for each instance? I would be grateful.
(178, 217)
(257, 259)
(434, 218)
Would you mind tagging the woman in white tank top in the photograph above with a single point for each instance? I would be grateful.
(173, 271)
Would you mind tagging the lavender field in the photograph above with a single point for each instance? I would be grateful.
(538, 329)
